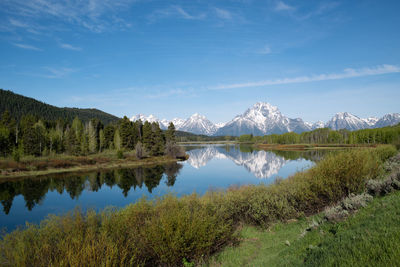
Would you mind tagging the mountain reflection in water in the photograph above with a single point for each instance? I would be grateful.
(263, 164)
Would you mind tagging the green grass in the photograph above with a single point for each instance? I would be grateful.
(370, 237)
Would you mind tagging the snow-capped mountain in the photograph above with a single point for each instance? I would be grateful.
(388, 120)
(220, 124)
(345, 120)
(177, 122)
(261, 119)
(371, 121)
(198, 124)
(151, 118)
(317, 125)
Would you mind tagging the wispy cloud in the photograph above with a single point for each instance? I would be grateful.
(54, 73)
(28, 47)
(281, 6)
(222, 13)
(347, 73)
(95, 15)
(174, 11)
(70, 47)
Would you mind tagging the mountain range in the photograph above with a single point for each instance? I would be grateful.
(264, 118)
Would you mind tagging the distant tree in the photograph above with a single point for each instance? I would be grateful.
(117, 140)
(170, 133)
(102, 140)
(109, 132)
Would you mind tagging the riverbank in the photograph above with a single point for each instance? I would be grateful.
(172, 231)
(301, 147)
(38, 166)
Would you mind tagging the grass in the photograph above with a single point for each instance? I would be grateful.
(36, 166)
(171, 231)
(370, 237)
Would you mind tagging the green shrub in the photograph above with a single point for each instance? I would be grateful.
(120, 154)
(163, 232)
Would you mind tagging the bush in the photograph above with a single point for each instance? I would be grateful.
(120, 154)
(16, 154)
(158, 233)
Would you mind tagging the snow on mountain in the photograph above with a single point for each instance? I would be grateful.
(371, 121)
(151, 118)
(317, 125)
(198, 124)
(261, 119)
(388, 120)
(345, 120)
(177, 122)
(220, 124)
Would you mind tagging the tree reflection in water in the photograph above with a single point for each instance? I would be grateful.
(34, 190)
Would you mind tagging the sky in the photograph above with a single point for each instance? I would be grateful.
(310, 58)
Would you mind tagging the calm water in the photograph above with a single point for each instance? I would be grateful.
(208, 167)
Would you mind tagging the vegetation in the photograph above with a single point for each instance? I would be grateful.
(38, 137)
(385, 135)
(19, 105)
(171, 231)
(369, 237)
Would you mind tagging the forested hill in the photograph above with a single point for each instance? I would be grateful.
(19, 105)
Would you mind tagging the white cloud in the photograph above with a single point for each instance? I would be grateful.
(222, 13)
(281, 6)
(95, 15)
(28, 47)
(347, 73)
(70, 47)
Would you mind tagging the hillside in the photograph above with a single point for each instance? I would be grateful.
(20, 105)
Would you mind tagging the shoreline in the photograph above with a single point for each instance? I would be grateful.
(302, 147)
(108, 164)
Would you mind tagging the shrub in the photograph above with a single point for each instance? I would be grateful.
(120, 154)
(16, 154)
(159, 233)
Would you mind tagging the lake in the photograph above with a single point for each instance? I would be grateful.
(208, 167)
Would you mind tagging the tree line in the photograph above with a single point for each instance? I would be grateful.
(385, 135)
(19, 105)
(35, 136)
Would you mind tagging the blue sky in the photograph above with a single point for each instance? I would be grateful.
(174, 58)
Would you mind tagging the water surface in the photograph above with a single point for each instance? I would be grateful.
(208, 167)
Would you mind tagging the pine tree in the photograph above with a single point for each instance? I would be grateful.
(170, 133)
(117, 140)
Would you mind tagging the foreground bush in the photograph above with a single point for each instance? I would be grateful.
(170, 231)
(146, 233)
(335, 177)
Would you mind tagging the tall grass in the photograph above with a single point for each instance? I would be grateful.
(171, 230)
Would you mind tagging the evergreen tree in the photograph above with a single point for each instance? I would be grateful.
(117, 140)
(170, 133)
